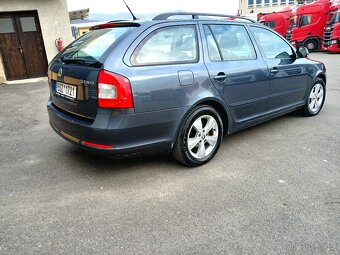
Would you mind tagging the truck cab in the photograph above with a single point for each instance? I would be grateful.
(331, 39)
(308, 25)
(279, 21)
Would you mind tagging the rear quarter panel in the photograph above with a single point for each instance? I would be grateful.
(157, 87)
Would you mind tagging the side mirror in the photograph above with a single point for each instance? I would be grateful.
(302, 52)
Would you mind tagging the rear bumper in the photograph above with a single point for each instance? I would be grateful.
(129, 134)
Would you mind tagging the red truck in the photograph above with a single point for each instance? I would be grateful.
(331, 39)
(307, 28)
(279, 21)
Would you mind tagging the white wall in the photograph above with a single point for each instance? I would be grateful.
(54, 21)
(2, 71)
(244, 9)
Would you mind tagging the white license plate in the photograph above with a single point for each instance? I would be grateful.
(66, 90)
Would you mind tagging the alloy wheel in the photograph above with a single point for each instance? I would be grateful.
(316, 97)
(202, 136)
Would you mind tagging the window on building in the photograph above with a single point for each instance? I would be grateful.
(258, 2)
(274, 2)
(28, 24)
(266, 2)
(304, 1)
(291, 2)
(250, 3)
(283, 2)
(6, 26)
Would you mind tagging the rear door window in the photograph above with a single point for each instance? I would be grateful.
(169, 45)
(92, 46)
(213, 51)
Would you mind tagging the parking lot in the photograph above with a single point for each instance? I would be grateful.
(271, 189)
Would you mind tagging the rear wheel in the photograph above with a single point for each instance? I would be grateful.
(199, 137)
(316, 98)
(311, 45)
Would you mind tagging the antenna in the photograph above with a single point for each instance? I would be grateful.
(133, 16)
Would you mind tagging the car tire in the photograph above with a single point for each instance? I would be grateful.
(312, 45)
(195, 145)
(315, 98)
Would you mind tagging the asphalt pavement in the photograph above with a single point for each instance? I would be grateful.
(271, 189)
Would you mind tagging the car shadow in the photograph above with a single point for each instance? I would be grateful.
(92, 163)
(103, 165)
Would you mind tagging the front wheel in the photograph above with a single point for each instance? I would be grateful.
(312, 45)
(199, 137)
(316, 98)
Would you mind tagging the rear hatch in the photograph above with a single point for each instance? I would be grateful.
(73, 73)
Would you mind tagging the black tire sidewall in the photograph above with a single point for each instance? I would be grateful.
(198, 112)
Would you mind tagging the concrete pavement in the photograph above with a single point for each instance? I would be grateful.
(271, 189)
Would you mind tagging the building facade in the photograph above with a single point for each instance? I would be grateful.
(266, 6)
(28, 33)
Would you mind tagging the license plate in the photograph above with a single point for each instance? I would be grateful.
(66, 90)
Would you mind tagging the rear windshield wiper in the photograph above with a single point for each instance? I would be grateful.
(81, 61)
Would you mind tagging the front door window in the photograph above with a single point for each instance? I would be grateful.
(272, 45)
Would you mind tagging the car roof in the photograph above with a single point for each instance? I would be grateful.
(177, 17)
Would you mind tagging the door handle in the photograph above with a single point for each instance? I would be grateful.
(274, 71)
(220, 77)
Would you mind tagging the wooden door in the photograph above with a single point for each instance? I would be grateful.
(10, 48)
(32, 44)
(22, 45)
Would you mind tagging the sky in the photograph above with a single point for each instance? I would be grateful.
(155, 6)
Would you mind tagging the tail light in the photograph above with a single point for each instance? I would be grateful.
(114, 91)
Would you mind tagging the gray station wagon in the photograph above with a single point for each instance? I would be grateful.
(177, 84)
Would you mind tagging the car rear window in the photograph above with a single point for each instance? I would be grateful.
(93, 44)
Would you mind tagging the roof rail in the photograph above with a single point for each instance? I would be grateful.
(195, 15)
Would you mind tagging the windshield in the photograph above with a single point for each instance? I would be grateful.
(334, 17)
(294, 21)
(271, 24)
(93, 44)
